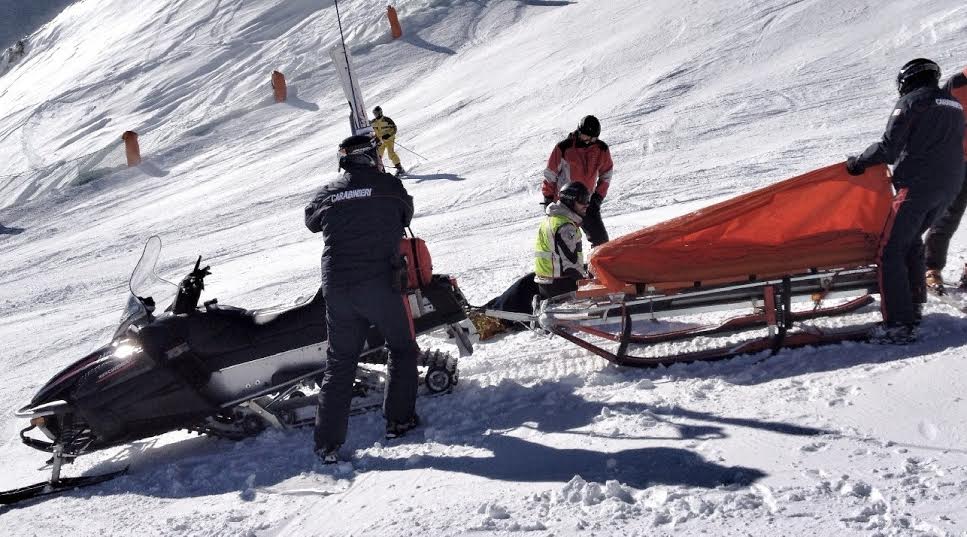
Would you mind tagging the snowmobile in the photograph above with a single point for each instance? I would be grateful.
(214, 369)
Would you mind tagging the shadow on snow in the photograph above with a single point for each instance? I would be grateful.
(499, 414)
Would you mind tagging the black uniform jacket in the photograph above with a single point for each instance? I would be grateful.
(923, 140)
(361, 216)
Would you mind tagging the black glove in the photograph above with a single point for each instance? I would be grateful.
(596, 200)
(547, 201)
(387, 136)
(853, 166)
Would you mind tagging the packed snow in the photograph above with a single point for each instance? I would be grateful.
(699, 101)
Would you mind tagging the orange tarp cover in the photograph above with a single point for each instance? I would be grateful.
(823, 219)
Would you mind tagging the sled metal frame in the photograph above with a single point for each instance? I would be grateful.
(770, 299)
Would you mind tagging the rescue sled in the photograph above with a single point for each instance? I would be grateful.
(772, 259)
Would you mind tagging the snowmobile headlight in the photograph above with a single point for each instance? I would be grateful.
(125, 350)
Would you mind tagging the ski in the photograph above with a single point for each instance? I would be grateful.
(358, 119)
(405, 173)
(48, 488)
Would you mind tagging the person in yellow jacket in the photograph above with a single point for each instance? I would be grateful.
(386, 134)
(558, 252)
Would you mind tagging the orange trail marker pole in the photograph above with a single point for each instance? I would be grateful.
(131, 148)
(394, 22)
(278, 86)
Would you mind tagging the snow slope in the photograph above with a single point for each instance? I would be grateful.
(699, 100)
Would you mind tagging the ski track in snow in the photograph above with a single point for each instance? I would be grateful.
(699, 102)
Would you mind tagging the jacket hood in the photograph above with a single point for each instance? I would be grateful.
(559, 209)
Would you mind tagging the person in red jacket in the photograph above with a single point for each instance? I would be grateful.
(938, 237)
(582, 158)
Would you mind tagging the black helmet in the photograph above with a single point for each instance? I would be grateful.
(378, 112)
(360, 150)
(590, 126)
(917, 74)
(575, 193)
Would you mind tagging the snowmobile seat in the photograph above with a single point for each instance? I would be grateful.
(258, 333)
(223, 336)
(271, 322)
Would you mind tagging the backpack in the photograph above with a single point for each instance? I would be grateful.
(416, 262)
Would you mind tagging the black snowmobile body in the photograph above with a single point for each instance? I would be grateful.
(215, 369)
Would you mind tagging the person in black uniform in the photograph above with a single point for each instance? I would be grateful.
(938, 237)
(362, 216)
(923, 140)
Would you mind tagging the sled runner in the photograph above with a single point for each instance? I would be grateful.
(642, 320)
(214, 369)
(809, 240)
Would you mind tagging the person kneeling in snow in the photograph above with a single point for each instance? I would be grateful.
(558, 256)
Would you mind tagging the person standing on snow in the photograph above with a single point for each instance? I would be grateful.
(924, 141)
(385, 130)
(362, 216)
(582, 158)
(938, 237)
(558, 256)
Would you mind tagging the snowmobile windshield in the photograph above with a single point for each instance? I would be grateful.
(145, 284)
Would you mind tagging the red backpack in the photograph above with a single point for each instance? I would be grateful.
(419, 266)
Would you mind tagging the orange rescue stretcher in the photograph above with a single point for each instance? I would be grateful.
(812, 239)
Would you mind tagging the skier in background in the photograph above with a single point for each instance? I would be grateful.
(924, 141)
(385, 130)
(582, 158)
(938, 237)
(361, 216)
(558, 256)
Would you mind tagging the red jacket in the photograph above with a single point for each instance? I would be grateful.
(957, 86)
(590, 165)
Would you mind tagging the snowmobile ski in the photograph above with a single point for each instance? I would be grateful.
(60, 485)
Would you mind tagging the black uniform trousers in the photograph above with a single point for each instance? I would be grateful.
(350, 311)
(901, 260)
(938, 238)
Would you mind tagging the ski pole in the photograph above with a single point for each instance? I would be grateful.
(401, 146)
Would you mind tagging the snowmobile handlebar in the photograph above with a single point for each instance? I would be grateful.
(189, 291)
(200, 273)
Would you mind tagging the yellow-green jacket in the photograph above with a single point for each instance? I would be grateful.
(558, 250)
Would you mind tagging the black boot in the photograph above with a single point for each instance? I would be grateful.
(328, 454)
(894, 334)
(396, 429)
